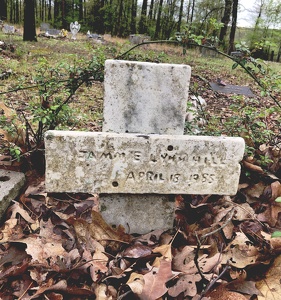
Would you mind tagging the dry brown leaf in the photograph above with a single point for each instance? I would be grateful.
(19, 137)
(254, 191)
(240, 252)
(13, 255)
(271, 214)
(99, 230)
(155, 281)
(136, 283)
(252, 167)
(276, 189)
(186, 284)
(17, 208)
(270, 287)
(165, 250)
(137, 251)
(221, 293)
(243, 286)
(101, 292)
(10, 231)
(41, 249)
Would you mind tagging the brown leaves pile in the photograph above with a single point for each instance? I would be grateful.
(56, 246)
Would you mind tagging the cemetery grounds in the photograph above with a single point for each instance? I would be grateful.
(221, 246)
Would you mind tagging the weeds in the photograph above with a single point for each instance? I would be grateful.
(50, 95)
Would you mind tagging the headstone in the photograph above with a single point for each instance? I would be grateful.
(8, 29)
(138, 38)
(74, 28)
(236, 53)
(53, 32)
(10, 184)
(45, 26)
(142, 158)
(232, 89)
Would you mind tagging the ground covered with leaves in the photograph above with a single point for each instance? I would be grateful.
(57, 246)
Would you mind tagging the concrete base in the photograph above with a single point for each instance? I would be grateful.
(138, 213)
(10, 184)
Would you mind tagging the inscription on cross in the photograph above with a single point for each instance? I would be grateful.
(132, 163)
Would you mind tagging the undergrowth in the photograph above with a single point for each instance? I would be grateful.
(47, 87)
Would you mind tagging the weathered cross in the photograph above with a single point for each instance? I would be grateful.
(142, 158)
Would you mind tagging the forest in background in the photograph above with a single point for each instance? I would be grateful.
(159, 19)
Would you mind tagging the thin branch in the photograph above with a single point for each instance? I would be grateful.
(199, 241)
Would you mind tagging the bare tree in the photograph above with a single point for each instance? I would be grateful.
(29, 29)
(233, 26)
(3, 10)
(225, 20)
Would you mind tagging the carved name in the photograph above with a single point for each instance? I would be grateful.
(130, 163)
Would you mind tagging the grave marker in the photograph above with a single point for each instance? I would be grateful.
(232, 89)
(8, 29)
(74, 28)
(45, 26)
(142, 158)
(96, 162)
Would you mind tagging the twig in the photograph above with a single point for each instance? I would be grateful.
(199, 241)
(211, 283)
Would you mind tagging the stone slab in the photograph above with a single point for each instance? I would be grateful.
(142, 97)
(10, 184)
(138, 213)
(97, 162)
(232, 89)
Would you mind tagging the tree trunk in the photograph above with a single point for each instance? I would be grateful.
(29, 30)
(80, 10)
(56, 10)
(192, 11)
(49, 10)
(3, 10)
(134, 7)
(225, 20)
(143, 18)
(180, 16)
(151, 9)
(233, 26)
(158, 21)
(17, 12)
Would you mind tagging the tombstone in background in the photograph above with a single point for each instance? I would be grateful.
(8, 29)
(94, 36)
(138, 38)
(142, 159)
(53, 33)
(74, 28)
(44, 27)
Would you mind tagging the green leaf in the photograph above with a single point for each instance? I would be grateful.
(278, 199)
(234, 66)
(276, 234)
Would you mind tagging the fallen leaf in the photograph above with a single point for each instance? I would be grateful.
(240, 252)
(155, 281)
(243, 286)
(270, 287)
(136, 283)
(101, 231)
(185, 284)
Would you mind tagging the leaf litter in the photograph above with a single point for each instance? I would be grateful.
(56, 246)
